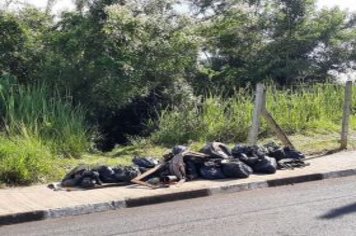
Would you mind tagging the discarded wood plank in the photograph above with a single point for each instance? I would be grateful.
(143, 183)
(277, 129)
(346, 115)
(138, 179)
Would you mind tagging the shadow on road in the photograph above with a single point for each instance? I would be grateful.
(338, 212)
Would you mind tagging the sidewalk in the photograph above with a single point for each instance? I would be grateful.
(38, 202)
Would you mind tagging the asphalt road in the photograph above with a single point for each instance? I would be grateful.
(317, 208)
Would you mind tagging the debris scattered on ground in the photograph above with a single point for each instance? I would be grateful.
(215, 161)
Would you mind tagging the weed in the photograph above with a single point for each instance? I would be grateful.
(43, 113)
(25, 160)
(316, 109)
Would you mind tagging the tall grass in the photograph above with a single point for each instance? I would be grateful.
(42, 113)
(316, 108)
(25, 160)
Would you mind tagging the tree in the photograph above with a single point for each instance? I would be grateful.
(21, 42)
(282, 40)
(116, 52)
(121, 55)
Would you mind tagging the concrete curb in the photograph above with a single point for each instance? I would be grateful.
(142, 201)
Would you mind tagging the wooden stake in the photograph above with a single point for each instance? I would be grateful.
(259, 104)
(277, 129)
(346, 115)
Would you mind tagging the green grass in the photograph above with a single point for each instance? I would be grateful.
(43, 113)
(25, 160)
(314, 109)
(39, 130)
(42, 167)
(40, 134)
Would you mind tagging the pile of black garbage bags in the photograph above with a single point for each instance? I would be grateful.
(241, 161)
(215, 161)
(85, 177)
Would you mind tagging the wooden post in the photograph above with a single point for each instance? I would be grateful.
(259, 104)
(346, 115)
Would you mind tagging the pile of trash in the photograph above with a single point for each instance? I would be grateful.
(215, 161)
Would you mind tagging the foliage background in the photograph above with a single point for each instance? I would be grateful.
(113, 71)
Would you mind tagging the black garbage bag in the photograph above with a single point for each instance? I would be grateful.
(191, 170)
(90, 178)
(237, 150)
(178, 149)
(240, 149)
(87, 182)
(211, 170)
(281, 153)
(235, 169)
(293, 159)
(293, 154)
(81, 176)
(217, 150)
(249, 151)
(246, 154)
(248, 160)
(106, 174)
(126, 173)
(291, 163)
(265, 165)
(165, 171)
(74, 176)
(275, 151)
(145, 162)
(196, 159)
(259, 151)
(71, 182)
(278, 154)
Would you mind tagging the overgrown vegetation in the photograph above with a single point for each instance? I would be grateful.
(25, 160)
(302, 109)
(113, 72)
(39, 127)
(36, 111)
